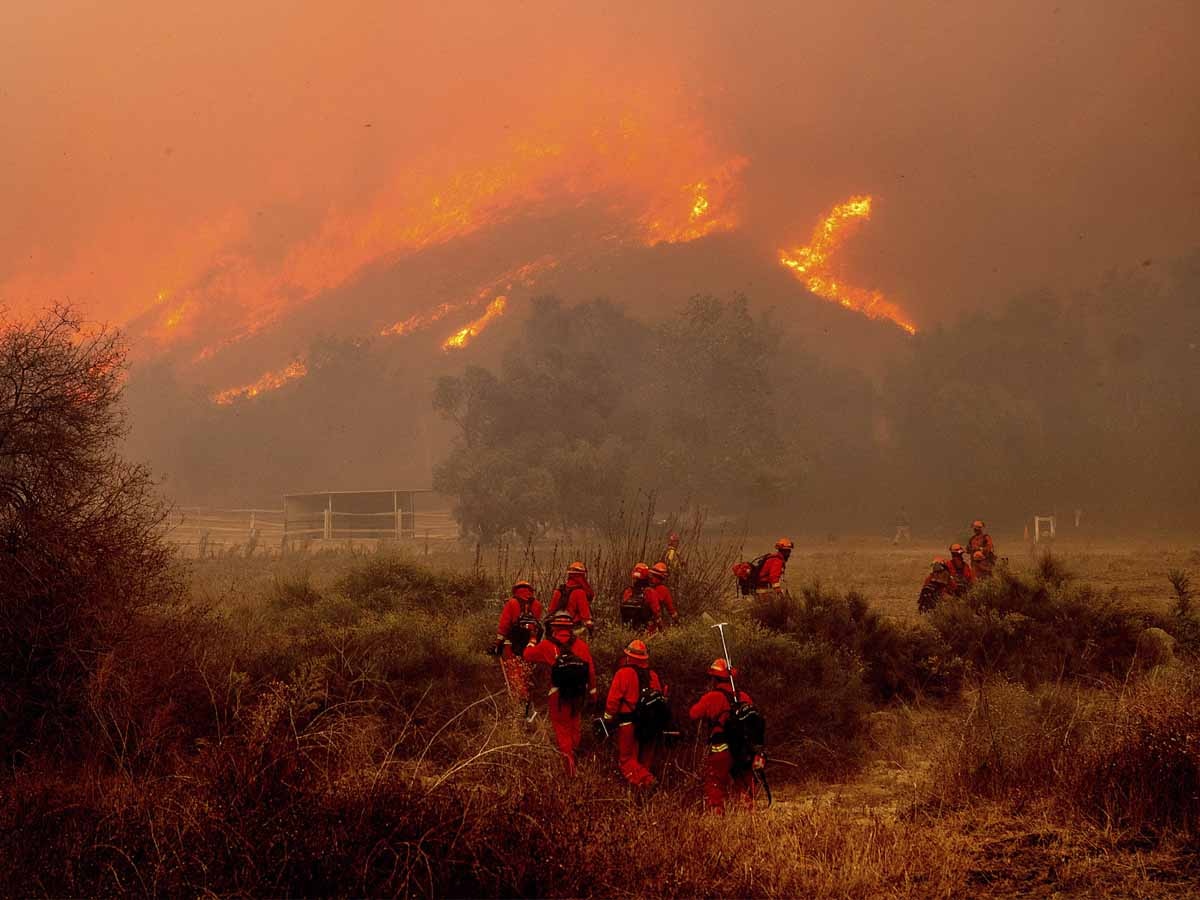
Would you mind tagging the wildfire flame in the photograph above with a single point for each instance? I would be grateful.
(812, 265)
(522, 275)
(464, 335)
(655, 175)
(268, 382)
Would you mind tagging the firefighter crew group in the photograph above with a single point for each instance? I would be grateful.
(953, 576)
(636, 707)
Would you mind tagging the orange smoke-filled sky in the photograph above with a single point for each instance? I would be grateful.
(1009, 145)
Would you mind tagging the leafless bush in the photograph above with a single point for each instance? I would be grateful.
(81, 556)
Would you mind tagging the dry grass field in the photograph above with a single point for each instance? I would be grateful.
(331, 725)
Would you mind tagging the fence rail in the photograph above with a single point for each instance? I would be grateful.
(209, 531)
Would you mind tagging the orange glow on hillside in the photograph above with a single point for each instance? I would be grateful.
(269, 382)
(812, 264)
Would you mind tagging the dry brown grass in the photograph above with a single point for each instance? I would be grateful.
(339, 746)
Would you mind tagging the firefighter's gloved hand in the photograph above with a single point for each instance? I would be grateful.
(760, 761)
(496, 648)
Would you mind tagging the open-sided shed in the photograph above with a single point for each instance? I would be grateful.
(340, 515)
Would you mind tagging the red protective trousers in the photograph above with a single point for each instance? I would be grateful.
(720, 783)
(634, 758)
(565, 716)
(518, 674)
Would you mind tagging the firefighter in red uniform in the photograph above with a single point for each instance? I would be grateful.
(575, 596)
(520, 619)
(771, 571)
(938, 584)
(639, 602)
(721, 777)
(662, 591)
(982, 541)
(565, 712)
(980, 565)
(635, 759)
(960, 569)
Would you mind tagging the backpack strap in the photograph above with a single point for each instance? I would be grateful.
(643, 677)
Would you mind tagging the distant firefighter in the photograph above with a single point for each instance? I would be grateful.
(982, 566)
(575, 596)
(662, 591)
(981, 540)
(639, 602)
(671, 555)
(939, 584)
(960, 569)
(762, 575)
(903, 527)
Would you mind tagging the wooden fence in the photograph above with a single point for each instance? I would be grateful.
(208, 531)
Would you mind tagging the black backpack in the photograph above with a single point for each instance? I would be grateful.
(570, 672)
(652, 714)
(747, 574)
(565, 590)
(635, 610)
(526, 625)
(745, 730)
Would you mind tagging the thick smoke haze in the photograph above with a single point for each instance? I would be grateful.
(290, 209)
(1010, 144)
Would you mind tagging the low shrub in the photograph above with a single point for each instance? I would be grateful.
(1040, 627)
(386, 583)
(1129, 761)
(897, 660)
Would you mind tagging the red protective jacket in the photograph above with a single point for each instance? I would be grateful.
(511, 611)
(771, 570)
(982, 542)
(625, 690)
(578, 602)
(666, 601)
(546, 652)
(963, 576)
(713, 709)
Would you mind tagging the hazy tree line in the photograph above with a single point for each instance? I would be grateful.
(1043, 405)
(1046, 404)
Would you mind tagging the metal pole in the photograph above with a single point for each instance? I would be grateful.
(720, 626)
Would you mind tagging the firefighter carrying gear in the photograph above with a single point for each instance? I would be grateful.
(938, 584)
(662, 591)
(639, 602)
(565, 713)
(575, 596)
(770, 573)
(724, 778)
(629, 685)
(520, 621)
(960, 569)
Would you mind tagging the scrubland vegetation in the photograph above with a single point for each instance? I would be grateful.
(330, 724)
